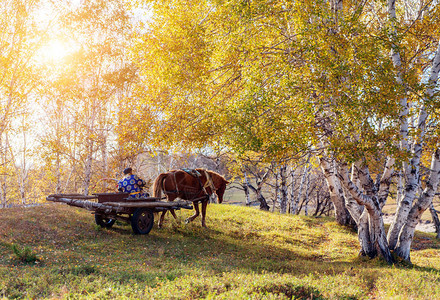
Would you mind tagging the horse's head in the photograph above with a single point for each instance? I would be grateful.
(220, 186)
(218, 181)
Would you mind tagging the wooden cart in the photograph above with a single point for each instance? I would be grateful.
(109, 207)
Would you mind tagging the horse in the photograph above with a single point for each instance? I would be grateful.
(198, 185)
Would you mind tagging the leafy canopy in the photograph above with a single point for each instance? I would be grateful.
(276, 76)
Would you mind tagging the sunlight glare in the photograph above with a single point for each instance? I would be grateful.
(54, 51)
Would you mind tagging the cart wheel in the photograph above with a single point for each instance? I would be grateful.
(142, 221)
(104, 221)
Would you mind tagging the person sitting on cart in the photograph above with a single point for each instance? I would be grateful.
(132, 184)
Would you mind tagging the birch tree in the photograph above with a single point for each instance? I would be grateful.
(246, 188)
(295, 206)
(260, 176)
(283, 188)
(435, 219)
(276, 78)
(371, 196)
(20, 39)
(407, 214)
(82, 97)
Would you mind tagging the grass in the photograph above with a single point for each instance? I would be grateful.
(391, 206)
(244, 254)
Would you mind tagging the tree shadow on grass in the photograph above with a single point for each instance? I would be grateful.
(178, 250)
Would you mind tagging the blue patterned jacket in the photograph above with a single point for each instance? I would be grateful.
(132, 184)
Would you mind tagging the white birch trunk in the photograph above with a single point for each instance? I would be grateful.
(412, 176)
(306, 201)
(360, 217)
(385, 181)
(246, 189)
(363, 176)
(370, 232)
(377, 229)
(87, 173)
(363, 224)
(301, 188)
(73, 154)
(58, 188)
(283, 189)
(399, 187)
(3, 176)
(292, 191)
(260, 197)
(23, 172)
(335, 190)
(397, 62)
(277, 191)
(258, 192)
(407, 233)
(404, 207)
(90, 146)
(435, 219)
(104, 155)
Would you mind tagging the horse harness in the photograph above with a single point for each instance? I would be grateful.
(196, 174)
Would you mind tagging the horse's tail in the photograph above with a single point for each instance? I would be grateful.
(157, 185)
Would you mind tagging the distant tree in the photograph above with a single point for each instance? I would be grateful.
(84, 96)
(19, 79)
(435, 219)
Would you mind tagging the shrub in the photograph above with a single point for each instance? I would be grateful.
(24, 255)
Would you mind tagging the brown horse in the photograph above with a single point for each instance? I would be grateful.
(197, 185)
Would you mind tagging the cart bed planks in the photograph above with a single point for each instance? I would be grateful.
(109, 207)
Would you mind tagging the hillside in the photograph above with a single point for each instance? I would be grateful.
(244, 254)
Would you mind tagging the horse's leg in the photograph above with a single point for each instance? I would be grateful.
(204, 205)
(162, 217)
(196, 213)
(173, 213)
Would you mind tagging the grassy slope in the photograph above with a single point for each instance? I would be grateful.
(245, 254)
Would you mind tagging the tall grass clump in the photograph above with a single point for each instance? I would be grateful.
(24, 254)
